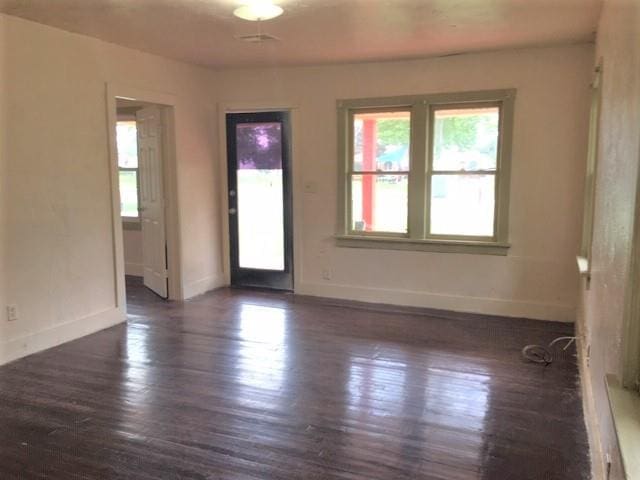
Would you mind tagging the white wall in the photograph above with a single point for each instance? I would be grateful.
(538, 278)
(602, 306)
(56, 233)
(4, 178)
(132, 243)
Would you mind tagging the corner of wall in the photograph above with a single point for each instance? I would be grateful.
(204, 285)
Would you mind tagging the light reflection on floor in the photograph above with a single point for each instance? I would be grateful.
(457, 400)
(263, 354)
(369, 389)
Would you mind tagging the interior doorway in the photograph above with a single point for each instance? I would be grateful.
(141, 156)
(260, 199)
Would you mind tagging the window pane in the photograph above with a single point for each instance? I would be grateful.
(379, 203)
(381, 141)
(465, 139)
(462, 205)
(128, 193)
(127, 140)
(260, 196)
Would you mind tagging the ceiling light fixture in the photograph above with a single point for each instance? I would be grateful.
(258, 10)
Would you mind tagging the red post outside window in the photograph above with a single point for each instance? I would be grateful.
(369, 134)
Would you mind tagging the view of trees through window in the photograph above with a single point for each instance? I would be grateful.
(380, 178)
(127, 143)
(464, 144)
(260, 196)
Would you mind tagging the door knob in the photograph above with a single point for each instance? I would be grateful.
(232, 211)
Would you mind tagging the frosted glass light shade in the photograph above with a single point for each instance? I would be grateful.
(257, 11)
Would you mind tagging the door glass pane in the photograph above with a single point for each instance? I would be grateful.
(260, 196)
(381, 141)
(379, 203)
(128, 193)
(462, 205)
(127, 142)
(465, 139)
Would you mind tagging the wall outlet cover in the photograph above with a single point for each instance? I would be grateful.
(12, 313)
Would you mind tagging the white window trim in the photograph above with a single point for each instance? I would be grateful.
(584, 257)
(417, 237)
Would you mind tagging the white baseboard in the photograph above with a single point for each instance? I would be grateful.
(135, 269)
(203, 285)
(489, 306)
(59, 334)
(590, 416)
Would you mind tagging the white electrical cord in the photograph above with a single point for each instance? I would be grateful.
(541, 354)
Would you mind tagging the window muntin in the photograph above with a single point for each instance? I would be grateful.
(127, 148)
(457, 173)
(379, 170)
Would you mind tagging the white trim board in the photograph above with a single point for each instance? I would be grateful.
(59, 334)
(589, 411)
(170, 174)
(481, 305)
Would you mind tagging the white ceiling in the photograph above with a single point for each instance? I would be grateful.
(318, 31)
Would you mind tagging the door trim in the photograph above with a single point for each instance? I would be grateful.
(296, 179)
(167, 102)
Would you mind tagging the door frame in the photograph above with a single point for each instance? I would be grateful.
(255, 277)
(296, 181)
(631, 319)
(167, 104)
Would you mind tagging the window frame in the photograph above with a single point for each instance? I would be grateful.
(586, 241)
(125, 218)
(351, 172)
(418, 236)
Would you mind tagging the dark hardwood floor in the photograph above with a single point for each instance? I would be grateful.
(248, 385)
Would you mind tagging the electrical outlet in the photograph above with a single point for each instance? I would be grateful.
(326, 274)
(12, 313)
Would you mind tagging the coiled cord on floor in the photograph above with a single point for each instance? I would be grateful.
(542, 354)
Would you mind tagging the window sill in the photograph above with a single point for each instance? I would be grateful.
(437, 246)
(625, 408)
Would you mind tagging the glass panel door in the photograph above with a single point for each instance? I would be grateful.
(260, 199)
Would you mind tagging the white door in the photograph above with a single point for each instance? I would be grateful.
(154, 255)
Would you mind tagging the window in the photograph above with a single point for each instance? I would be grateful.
(379, 171)
(127, 142)
(426, 172)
